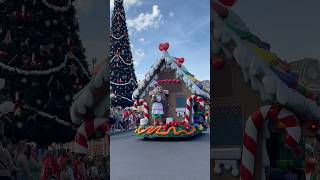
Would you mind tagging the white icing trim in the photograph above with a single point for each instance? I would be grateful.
(170, 63)
(252, 65)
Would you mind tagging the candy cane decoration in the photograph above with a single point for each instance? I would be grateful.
(207, 115)
(85, 130)
(255, 123)
(192, 98)
(145, 107)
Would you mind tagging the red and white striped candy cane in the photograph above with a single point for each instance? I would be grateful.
(255, 123)
(188, 109)
(87, 129)
(207, 115)
(145, 107)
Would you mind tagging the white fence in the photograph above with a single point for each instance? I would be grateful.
(95, 147)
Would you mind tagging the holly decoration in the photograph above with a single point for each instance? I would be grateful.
(176, 124)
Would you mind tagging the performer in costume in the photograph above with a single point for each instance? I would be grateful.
(157, 106)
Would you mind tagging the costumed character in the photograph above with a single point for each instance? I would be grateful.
(158, 97)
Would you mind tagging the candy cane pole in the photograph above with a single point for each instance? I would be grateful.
(146, 110)
(188, 109)
(140, 102)
(255, 123)
(85, 130)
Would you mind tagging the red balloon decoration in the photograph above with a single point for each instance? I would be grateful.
(222, 11)
(164, 46)
(180, 60)
(228, 2)
(218, 63)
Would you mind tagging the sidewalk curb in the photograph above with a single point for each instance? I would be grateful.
(121, 132)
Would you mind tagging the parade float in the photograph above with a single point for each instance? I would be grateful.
(277, 116)
(89, 109)
(172, 101)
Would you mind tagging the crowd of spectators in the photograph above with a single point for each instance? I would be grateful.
(21, 161)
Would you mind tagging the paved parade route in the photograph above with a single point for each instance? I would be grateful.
(135, 159)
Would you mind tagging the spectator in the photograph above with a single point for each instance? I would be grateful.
(50, 174)
(94, 174)
(6, 164)
(63, 172)
(33, 165)
(69, 171)
(22, 162)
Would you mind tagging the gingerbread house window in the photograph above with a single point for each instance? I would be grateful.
(180, 106)
(227, 119)
(223, 82)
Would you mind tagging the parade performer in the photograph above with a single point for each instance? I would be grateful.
(157, 106)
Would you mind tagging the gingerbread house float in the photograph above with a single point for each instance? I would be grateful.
(89, 110)
(173, 101)
(264, 119)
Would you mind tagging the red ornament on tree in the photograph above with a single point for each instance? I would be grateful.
(218, 63)
(313, 125)
(228, 2)
(164, 46)
(3, 54)
(311, 95)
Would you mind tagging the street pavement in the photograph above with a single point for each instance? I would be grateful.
(132, 158)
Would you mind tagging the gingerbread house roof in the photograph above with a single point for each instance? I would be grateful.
(93, 98)
(260, 67)
(181, 72)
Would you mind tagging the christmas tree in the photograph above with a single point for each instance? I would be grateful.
(42, 65)
(123, 79)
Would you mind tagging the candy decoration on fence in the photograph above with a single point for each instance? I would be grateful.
(85, 130)
(255, 123)
(145, 107)
(193, 98)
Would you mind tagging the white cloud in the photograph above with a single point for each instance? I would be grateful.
(171, 14)
(127, 3)
(141, 39)
(137, 55)
(140, 77)
(145, 21)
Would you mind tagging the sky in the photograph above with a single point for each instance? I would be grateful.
(291, 27)
(184, 25)
(93, 28)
